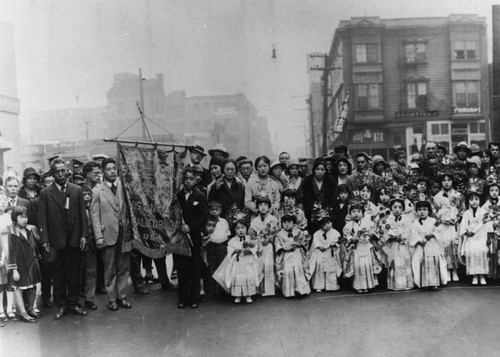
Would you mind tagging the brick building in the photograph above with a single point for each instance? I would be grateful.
(411, 80)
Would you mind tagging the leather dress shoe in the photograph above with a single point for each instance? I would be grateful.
(34, 314)
(123, 303)
(194, 306)
(60, 313)
(113, 306)
(181, 305)
(90, 305)
(77, 310)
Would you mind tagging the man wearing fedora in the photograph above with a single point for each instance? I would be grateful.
(197, 153)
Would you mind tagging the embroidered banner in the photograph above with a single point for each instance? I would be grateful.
(151, 177)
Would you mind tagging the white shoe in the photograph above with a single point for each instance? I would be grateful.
(248, 300)
(455, 276)
(318, 290)
(474, 280)
(237, 300)
(449, 275)
(482, 281)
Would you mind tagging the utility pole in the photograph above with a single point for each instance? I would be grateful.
(87, 122)
(324, 79)
(141, 91)
(313, 139)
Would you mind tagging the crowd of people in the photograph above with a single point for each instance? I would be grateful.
(286, 227)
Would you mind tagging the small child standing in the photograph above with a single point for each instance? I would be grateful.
(325, 262)
(239, 273)
(428, 263)
(265, 226)
(446, 202)
(206, 235)
(23, 261)
(473, 240)
(395, 234)
(362, 262)
(217, 243)
(291, 258)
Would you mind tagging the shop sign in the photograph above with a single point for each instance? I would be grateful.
(466, 110)
(368, 136)
(417, 114)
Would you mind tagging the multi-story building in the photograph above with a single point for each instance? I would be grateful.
(411, 80)
(230, 120)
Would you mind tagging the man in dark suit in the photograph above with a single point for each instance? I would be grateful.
(194, 212)
(64, 228)
(197, 153)
(12, 186)
(109, 219)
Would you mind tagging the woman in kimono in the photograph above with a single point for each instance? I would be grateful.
(291, 258)
(473, 240)
(395, 231)
(362, 262)
(428, 263)
(324, 261)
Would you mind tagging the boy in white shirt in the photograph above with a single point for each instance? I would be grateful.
(216, 243)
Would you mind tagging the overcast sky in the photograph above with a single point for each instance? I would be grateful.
(71, 48)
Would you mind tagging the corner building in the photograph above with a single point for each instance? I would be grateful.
(411, 80)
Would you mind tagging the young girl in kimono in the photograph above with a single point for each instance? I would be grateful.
(362, 262)
(395, 233)
(473, 240)
(365, 192)
(265, 226)
(490, 209)
(289, 206)
(23, 261)
(240, 271)
(291, 258)
(324, 261)
(410, 193)
(446, 233)
(428, 263)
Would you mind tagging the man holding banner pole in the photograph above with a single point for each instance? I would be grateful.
(194, 212)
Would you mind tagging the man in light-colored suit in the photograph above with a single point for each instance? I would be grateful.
(109, 218)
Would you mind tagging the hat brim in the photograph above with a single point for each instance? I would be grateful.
(225, 154)
(202, 153)
(456, 148)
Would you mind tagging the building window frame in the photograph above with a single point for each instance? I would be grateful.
(415, 52)
(368, 96)
(465, 50)
(367, 53)
(466, 93)
(416, 92)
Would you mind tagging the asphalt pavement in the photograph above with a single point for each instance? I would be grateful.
(458, 320)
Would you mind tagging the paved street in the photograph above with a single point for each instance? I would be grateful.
(459, 320)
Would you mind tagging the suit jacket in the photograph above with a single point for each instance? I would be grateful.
(194, 212)
(107, 212)
(61, 226)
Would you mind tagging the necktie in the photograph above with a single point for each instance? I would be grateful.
(63, 188)
(113, 188)
(290, 235)
(398, 219)
(12, 203)
(421, 220)
(445, 194)
(324, 235)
